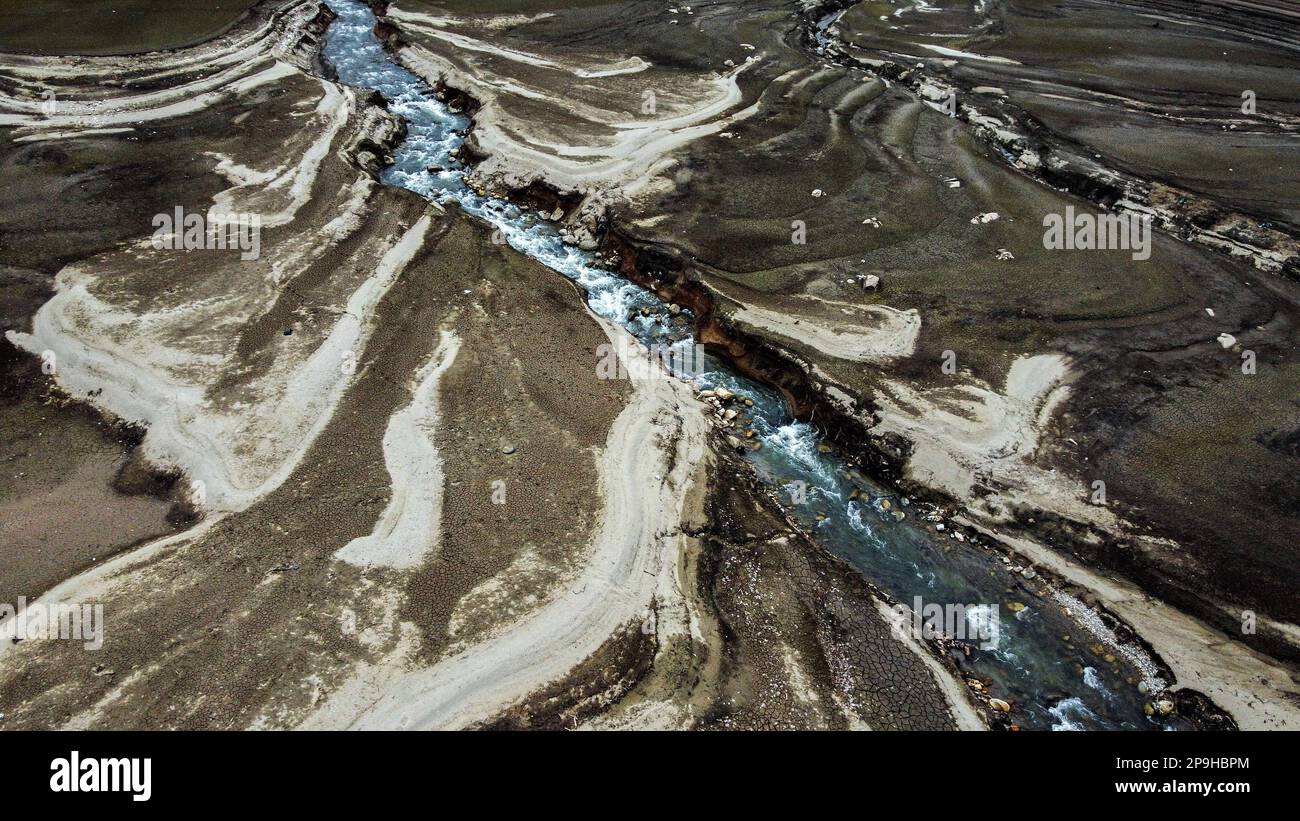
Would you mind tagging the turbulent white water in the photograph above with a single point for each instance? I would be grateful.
(1034, 666)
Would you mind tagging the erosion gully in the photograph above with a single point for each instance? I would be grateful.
(1041, 664)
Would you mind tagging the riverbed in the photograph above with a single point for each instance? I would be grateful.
(1047, 656)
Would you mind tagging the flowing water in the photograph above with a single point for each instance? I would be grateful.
(1041, 662)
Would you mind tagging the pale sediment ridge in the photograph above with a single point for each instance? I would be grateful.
(51, 93)
(958, 434)
(214, 447)
(892, 337)
(132, 351)
(647, 478)
(408, 530)
(615, 124)
(94, 584)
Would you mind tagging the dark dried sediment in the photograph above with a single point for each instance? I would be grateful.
(1030, 145)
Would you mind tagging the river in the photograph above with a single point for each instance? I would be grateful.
(1039, 660)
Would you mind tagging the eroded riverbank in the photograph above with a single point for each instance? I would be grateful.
(799, 458)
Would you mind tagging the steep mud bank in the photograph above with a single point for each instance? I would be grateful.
(811, 398)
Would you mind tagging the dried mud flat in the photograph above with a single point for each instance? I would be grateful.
(373, 478)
